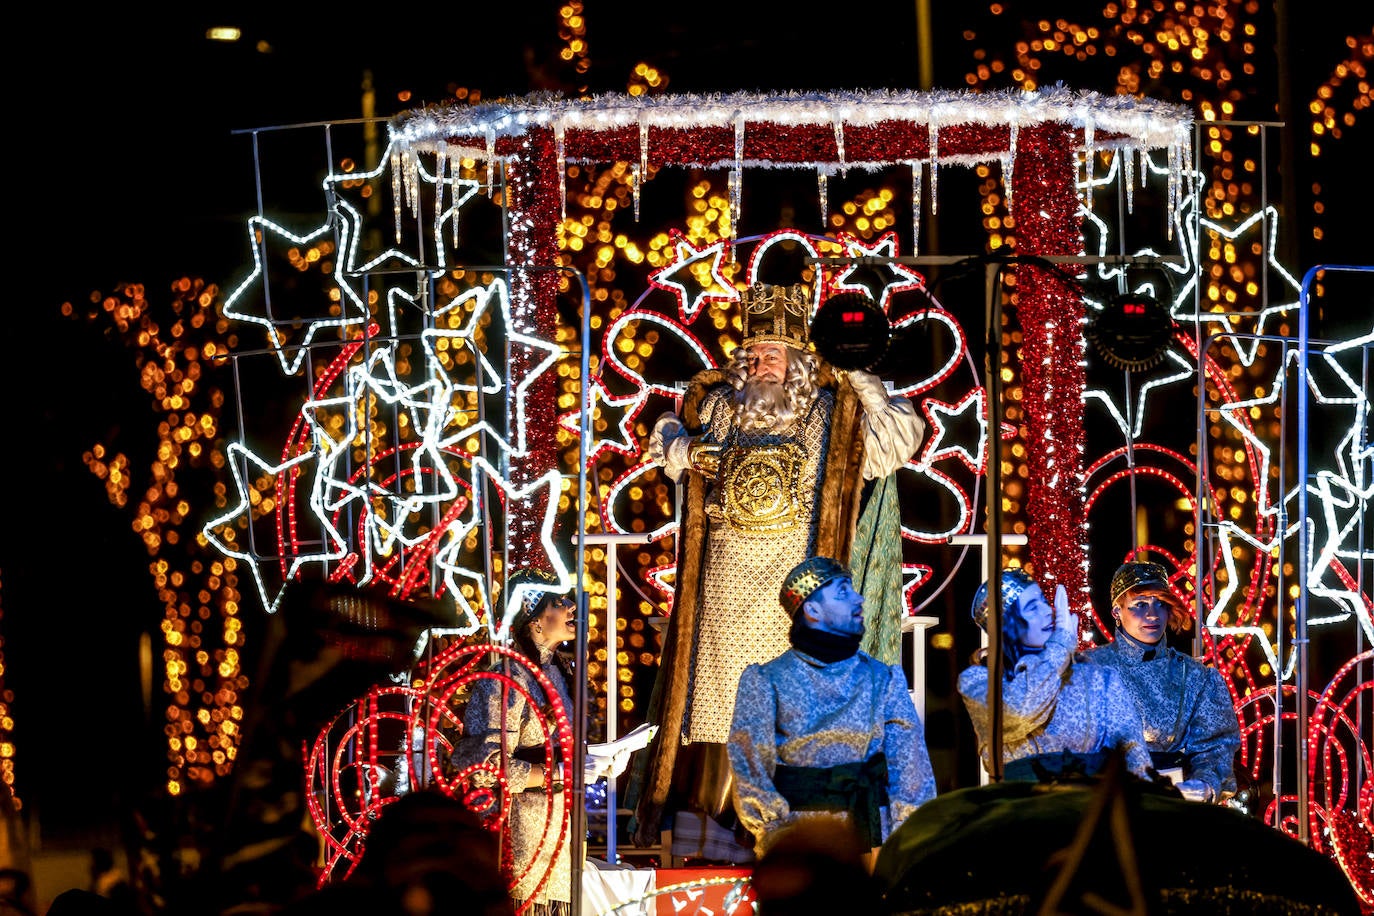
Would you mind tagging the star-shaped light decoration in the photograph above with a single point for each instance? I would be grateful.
(1334, 495)
(1190, 230)
(391, 512)
(495, 297)
(290, 354)
(1184, 304)
(236, 455)
(539, 498)
(694, 276)
(896, 277)
(1341, 493)
(616, 412)
(1183, 371)
(972, 407)
(349, 223)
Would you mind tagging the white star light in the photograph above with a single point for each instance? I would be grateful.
(1331, 490)
(334, 488)
(482, 299)
(1184, 373)
(1184, 298)
(899, 278)
(935, 447)
(600, 403)
(353, 311)
(449, 556)
(244, 510)
(419, 503)
(685, 259)
(349, 222)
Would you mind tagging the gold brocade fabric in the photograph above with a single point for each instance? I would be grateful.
(759, 487)
(739, 618)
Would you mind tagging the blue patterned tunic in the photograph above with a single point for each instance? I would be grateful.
(1184, 707)
(1052, 705)
(797, 711)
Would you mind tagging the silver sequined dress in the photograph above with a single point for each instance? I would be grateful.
(535, 816)
(1052, 705)
(1184, 706)
(799, 711)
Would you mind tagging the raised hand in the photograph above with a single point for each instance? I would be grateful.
(1064, 617)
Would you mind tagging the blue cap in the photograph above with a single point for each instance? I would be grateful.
(1014, 582)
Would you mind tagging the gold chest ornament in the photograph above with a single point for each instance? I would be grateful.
(759, 486)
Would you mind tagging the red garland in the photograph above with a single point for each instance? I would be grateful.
(882, 143)
(1045, 208)
(533, 183)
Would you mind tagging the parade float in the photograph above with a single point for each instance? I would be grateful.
(497, 300)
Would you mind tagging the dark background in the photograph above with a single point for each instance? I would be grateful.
(129, 168)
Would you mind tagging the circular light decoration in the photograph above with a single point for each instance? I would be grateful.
(1132, 331)
(850, 331)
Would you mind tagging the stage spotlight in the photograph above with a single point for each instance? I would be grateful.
(1132, 331)
(850, 331)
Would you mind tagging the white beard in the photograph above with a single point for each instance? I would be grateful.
(764, 404)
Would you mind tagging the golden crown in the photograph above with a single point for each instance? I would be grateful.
(1130, 576)
(805, 578)
(777, 314)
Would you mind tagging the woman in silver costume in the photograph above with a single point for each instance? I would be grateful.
(506, 729)
(1058, 717)
(1186, 711)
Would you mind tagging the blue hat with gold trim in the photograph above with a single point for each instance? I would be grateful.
(806, 578)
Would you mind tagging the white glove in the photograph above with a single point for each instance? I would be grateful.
(592, 770)
(619, 762)
(870, 389)
(1195, 790)
(670, 446)
(1065, 620)
(596, 767)
(667, 429)
(676, 451)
